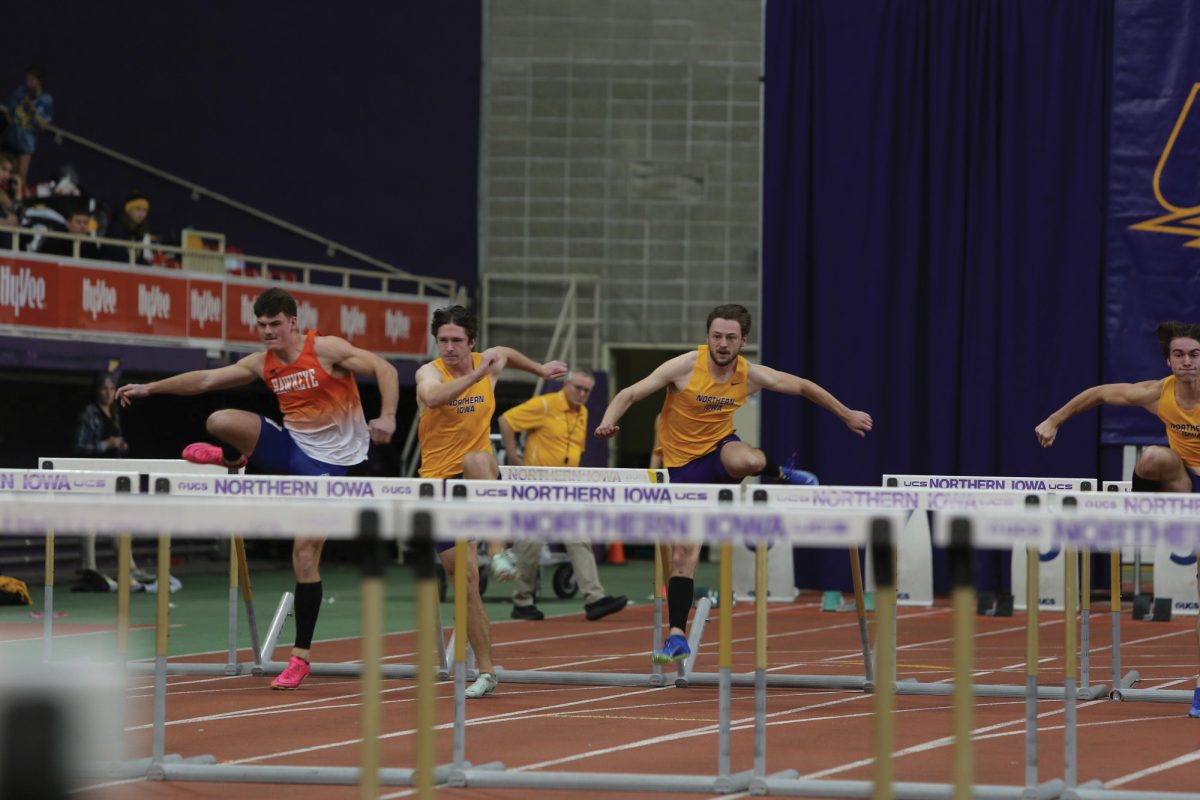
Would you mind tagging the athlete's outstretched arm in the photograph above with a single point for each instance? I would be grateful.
(665, 373)
(198, 381)
(1144, 394)
(517, 360)
(785, 383)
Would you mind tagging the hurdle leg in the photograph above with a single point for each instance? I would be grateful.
(460, 653)
(656, 593)
(48, 600)
(1069, 666)
(161, 622)
(885, 651)
(760, 659)
(231, 665)
(428, 629)
(964, 604)
(695, 635)
(1085, 616)
(725, 702)
(371, 680)
(248, 598)
(860, 606)
(281, 611)
(1032, 647)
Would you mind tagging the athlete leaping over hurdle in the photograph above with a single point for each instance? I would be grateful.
(455, 400)
(704, 388)
(1175, 400)
(324, 430)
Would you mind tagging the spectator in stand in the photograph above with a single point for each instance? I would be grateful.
(10, 189)
(75, 219)
(132, 224)
(30, 110)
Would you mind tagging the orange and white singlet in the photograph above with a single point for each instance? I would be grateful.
(323, 413)
(464, 425)
(694, 420)
(1183, 426)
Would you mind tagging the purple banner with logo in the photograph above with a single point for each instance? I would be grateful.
(1154, 199)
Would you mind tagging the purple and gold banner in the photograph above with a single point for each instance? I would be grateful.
(1153, 245)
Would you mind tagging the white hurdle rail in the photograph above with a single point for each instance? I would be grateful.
(583, 474)
(1082, 531)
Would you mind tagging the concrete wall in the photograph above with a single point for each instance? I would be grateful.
(622, 141)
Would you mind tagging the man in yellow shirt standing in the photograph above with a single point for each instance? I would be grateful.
(557, 434)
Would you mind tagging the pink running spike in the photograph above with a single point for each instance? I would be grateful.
(205, 453)
(297, 670)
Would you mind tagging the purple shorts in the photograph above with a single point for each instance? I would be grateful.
(278, 454)
(707, 468)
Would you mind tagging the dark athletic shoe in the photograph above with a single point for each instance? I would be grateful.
(530, 612)
(604, 606)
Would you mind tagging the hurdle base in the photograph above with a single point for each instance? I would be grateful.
(257, 773)
(777, 681)
(570, 678)
(134, 768)
(1090, 792)
(900, 791)
(389, 671)
(1183, 697)
(1094, 692)
(1128, 682)
(185, 668)
(604, 781)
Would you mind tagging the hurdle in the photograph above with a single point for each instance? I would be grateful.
(1158, 505)
(143, 470)
(331, 489)
(763, 494)
(583, 495)
(604, 523)
(1084, 530)
(369, 521)
(61, 482)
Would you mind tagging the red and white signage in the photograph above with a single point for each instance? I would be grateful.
(172, 305)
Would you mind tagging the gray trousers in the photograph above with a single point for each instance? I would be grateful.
(529, 551)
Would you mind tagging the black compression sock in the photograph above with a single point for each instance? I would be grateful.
(306, 606)
(679, 601)
(231, 454)
(772, 470)
(1141, 484)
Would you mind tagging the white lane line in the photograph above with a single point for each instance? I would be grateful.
(1187, 758)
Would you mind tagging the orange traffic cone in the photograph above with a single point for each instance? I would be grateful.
(616, 553)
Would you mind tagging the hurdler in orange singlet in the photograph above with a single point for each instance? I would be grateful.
(695, 419)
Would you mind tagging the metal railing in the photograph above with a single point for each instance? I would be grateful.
(198, 191)
(205, 260)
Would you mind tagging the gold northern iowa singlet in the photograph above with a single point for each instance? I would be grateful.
(464, 425)
(1183, 427)
(694, 420)
(323, 413)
